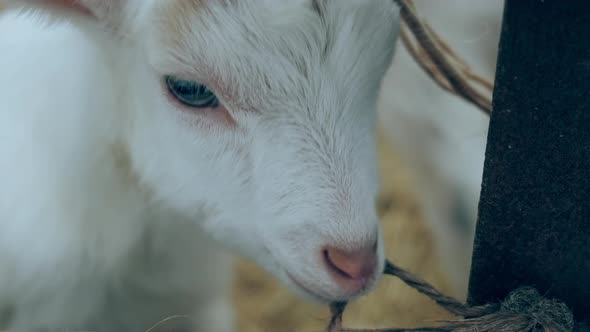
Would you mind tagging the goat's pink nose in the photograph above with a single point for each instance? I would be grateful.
(351, 267)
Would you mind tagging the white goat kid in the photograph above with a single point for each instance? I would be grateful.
(136, 135)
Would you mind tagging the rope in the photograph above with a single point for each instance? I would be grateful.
(523, 310)
(440, 62)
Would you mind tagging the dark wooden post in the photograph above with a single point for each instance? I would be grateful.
(534, 213)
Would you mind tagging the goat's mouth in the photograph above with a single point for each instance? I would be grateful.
(319, 296)
(323, 296)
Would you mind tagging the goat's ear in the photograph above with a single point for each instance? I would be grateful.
(101, 10)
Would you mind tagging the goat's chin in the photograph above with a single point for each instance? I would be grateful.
(306, 290)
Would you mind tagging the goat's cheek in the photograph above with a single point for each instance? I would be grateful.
(220, 115)
(207, 119)
(71, 4)
(211, 118)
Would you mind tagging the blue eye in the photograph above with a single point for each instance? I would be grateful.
(191, 93)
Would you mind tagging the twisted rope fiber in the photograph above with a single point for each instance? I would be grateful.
(440, 62)
(523, 310)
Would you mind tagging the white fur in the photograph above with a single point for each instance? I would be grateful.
(114, 200)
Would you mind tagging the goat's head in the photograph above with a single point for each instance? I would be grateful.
(261, 112)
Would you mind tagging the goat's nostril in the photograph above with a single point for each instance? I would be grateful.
(333, 265)
(346, 265)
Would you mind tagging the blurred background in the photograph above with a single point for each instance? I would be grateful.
(431, 148)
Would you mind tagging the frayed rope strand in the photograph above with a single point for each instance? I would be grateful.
(450, 304)
(523, 310)
(440, 62)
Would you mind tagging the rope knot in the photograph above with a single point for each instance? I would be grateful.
(542, 314)
(523, 310)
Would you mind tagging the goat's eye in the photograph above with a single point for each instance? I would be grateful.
(191, 93)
